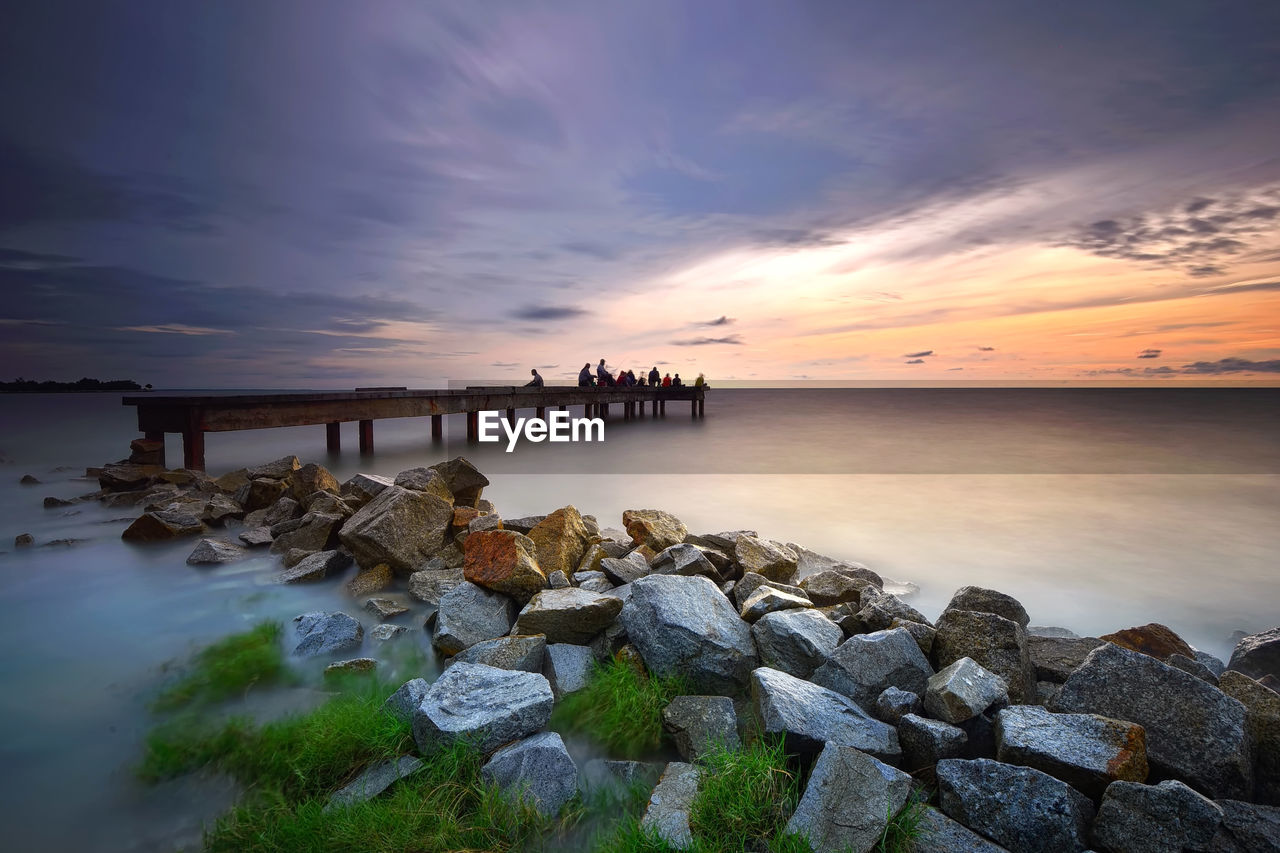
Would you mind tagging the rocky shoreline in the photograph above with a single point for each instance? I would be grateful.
(1024, 738)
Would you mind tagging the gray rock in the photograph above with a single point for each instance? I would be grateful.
(463, 479)
(925, 742)
(683, 625)
(1194, 732)
(523, 525)
(211, 552)
(623, 570)
(773, 560)
(219, 508)
(406, 700)
(750, 582)
(385, 608)
(1247, 828)
(281, 469)
(831, 587)
(921, 633)
(1086, 751)
(374, 781)
(848, 800)
(865, 664)
(997, 643)
(1164, 818)
(592, 582)
(384, 632)
(809, 716)
(526, 653)
(256, 537)
(568, 667)
(283, 509)
(667, 814)
(810, 563)
(766, 599)
(399, 527)
(327, 503)
(432, 580)
(260, 493)
(482, 704)
(699, 724)
(1192, 666)
(569, 615)
(989, 601)
(468, 614)
(424, 480)
(1257, 655)
(326, 633)
(1050, 631)
(963, 690)
(557, 580)
(537, 771)
(1046, 692)
(488, 521)
(160, 525)
(1022, 809)
(364, 487)
(24, 540)
(893, 704)
(355, 666)
(941, 834)
(720, 541)
(795, 641)
(1216, 666)
(684, 559)
(315, 532)
(1055, 658)
(1262, 715)
(293, 557)
(879, 610)
(315, 567)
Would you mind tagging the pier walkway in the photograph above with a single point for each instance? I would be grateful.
(194, 416)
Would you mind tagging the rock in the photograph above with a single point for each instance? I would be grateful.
(374, 781)
(997, 643)
(371, 580)
(537, 771)
(809, 563)
(488, 521)
(1262, 716)
(624, 570)
(830, 587)
(315, 532)
(1247, 828)
(893, 704)
(921, 633)
(219, 508)
(384, 632)
(683, 625)
(328, 503)
(1136, 818)
(865, 664)
(685, 559)
(281, 469)
(23, 540)
(602, 772)
(560, 540)
(146, 452)
(1086, 751)
(1046, 692)
(591, 558)
(1022, 809)
(720, 541)
(1154, 639)
(214, 552)
(879, 610)
(1055, 658)
(925, 742)
(385, 608)
(504, 561)
(312, 478)
(469, 614)
(1050, 631)
(1258, 655)
(667, 814)
(256, 537)
(557, 580)
(522, 525)
(425, 480)
(1216, 666)
(406, 700)
(355, 666)
(464, 480)
(160, 525)
(809, 716)
(282, 510)
(981, 600)
(773, 560)
(848, 801)
(525, 653)
(653, 530)
(433, 580)
(55, 503)
(364, 487)
(230, 483)
(326, 633)
(963, 690)
(399, 527)
(482, 704)
(982, 736)
(795, 641)
(260, 493)
(126, 477)
(593, 582)
(751, 581)
(1194, 732)
(941, 834)
(699, 724)
(568, 615)
(568, 667)
(766, 599)
(314, 567)
(1194, 667)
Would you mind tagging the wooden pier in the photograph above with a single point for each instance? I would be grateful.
(194, 416)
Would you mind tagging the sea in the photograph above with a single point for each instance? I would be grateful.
(1097, 508)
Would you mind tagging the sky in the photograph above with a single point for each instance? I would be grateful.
(322, 194)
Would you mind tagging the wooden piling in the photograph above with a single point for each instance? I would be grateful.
(333, 437)
(366, 436)
(437, 427)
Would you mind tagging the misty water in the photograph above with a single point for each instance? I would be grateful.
(1097, 508)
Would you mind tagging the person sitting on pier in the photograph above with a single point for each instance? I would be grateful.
(584, 376)
(700, 382)
(676, 383)
(654, 377)
(666, 381)
(621, 381)
(631, 379)
(536, 381)
(603, 377)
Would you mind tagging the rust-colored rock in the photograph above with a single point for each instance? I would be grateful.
(560, 540)
(503, 561)
(653, 531)
(1155, 640)
(463, 515)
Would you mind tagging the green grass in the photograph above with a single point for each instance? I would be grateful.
(904, 828)
(228, 668)
(620, 709)
(745, 797)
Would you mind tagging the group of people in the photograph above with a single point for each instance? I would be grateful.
(603, 378)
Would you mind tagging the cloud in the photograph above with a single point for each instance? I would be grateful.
(719, 321)
(1150, 353)
(599, 251)
(915, 361)
(918, 354)
(986, 349)
(176, 329)
(549, 312)
(732, 340)
(503, 364)
(1232, 365)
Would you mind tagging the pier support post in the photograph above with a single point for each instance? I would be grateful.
(511, 416)
(541, 413)
(157, 436)
(437, 427)
(333, 436)
(663, 404)
(366, 436)
(604, 410)
(693, 408)
(193, 440)
(702, 408)
(473, 426)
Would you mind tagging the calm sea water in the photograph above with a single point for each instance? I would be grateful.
(1097, 508)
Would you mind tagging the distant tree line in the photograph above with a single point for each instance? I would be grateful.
(30, 386)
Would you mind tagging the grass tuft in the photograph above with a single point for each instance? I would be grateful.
(745, 797)
(228, 668)
(620, 709)
(904, 828)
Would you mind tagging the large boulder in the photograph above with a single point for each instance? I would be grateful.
(941, 834)
(1136, 818)
(848, 801)
(568, 615)
(399, 527)
(212, 552)
(568, 667)
(999, 644)
(363, 488)
(925, 742)
(315, 532)
(1258, 655)
(160, 525)
(685, 626)
(1024, 810)
(653, 531)
(963, 690)
(402, 704)
(1194, 732)
(503, 561)
(989, 601)
(795, 641)
(766, 600)
(464, 480)
(1154, 639)
(809, 717)
(314, 567)
(1055, 658)
(526, 653)
(699, 724)
(1247, 828)
(865, 664)
(1086, 751)
(1262, 713)
(469, 614)
(326, 633)
(773, 560)
(667, 814)
(560, 541)
(219, 508)
(312, 478)
(832, 587)
(426, 480)
(482, 704)
(536, 771)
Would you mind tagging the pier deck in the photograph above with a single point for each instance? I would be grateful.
(194, 416)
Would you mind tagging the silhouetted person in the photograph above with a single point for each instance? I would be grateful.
(676, 383)
(700, 382)
(631, 379)
(584, 376)
(602, 374)
(666, 381)
(536, 381)
(654, 376)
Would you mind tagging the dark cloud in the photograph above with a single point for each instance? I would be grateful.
(733, 340)
(794, 238)
(1150, 353)
(919, 354)
(722, 320)
(599, 251)
(915, 361)
(1247, 286)
(954, 368)
(986, 349)
(1232, 365)
(19, 259)
(1205, 270)
(503, 364)
(549, 312)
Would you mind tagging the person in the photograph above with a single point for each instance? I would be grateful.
(631, 379)
(536, 381)
(584, 376)
(654, 377)
(676, 383)
(700, 382)
(602, 374)
(621, 381)
(666, 381)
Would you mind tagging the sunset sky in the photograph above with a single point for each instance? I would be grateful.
(328, 194)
